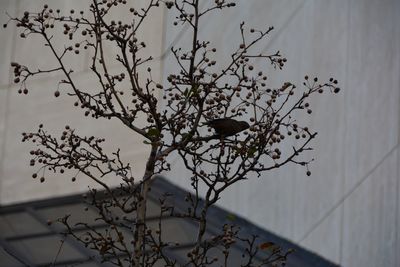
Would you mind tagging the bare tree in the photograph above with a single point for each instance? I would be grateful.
(252, 124)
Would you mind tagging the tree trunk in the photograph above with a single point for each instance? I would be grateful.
(140, 232)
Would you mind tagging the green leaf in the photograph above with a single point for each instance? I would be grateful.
(186, 92)
(251, 151)
(231, 217)
(193, 91)
(186, 135)
(153, 132)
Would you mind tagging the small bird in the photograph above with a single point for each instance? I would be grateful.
(227, 127)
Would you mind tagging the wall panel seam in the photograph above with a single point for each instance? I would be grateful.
(347, 195)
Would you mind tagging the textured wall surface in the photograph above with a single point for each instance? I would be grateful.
(349, 209)
(20, 113)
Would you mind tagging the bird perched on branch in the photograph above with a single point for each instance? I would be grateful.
(227, 127)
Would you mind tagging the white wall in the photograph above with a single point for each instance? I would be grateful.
(348, 210)
(20, 113)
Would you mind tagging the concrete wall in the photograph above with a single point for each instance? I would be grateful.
(20, 113)
(349, 209)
